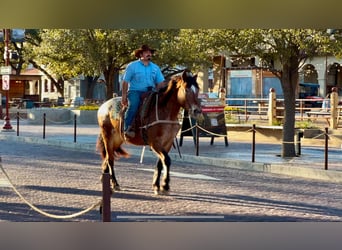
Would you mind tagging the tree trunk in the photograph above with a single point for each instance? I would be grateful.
(289, 79)
(112, 81)
(90, 82)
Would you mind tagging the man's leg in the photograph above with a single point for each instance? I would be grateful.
(133, 98)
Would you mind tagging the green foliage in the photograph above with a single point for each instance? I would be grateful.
(69, 53)
(305, 125)
(278, 123)
(233, 109)
(281, 51)
(87, 107)
(230, 119)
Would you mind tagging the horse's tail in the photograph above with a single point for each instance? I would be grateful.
(118, 152)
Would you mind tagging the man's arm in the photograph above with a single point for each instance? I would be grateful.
(124, 101)
(161, 85)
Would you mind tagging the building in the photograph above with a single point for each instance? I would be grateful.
(243, 78)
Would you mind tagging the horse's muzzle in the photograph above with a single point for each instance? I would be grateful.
(196, 112)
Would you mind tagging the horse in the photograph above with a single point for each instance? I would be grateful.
(156, 124)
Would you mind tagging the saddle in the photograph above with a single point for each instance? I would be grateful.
(148, 100)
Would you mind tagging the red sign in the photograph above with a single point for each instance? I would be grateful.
(212, 109)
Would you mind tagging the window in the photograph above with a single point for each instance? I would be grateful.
(46, 85)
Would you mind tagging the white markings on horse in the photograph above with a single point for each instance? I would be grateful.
(183, 175)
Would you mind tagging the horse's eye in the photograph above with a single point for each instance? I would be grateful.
(193, 88)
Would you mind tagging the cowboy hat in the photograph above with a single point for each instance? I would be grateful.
(143, 48)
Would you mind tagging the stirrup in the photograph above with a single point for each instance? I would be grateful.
(129, 132)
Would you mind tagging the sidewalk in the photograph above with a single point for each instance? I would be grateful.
(238, 154)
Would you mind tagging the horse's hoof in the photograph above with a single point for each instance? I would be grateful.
(116, 188)
(164, 192)
(156, 192)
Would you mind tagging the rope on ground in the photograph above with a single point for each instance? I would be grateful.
(99, 203)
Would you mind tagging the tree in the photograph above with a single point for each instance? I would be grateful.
(290, 48)
(28, 55)
(93, 52)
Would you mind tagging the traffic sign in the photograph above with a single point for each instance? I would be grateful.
(5, 82)
(5, 70)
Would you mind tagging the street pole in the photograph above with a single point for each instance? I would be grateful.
(7, 126)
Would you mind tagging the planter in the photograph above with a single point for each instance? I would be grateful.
(85, 116)
(266, 133)
(53, 116)
(313, 133)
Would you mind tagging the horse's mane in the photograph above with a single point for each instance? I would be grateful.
(167, 91)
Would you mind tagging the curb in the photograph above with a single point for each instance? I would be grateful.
(276, 168)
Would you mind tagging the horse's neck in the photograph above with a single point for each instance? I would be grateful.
(168, 109)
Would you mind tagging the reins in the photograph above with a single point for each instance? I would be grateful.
(157, 121)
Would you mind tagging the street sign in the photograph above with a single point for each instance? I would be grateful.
(5, 70)
(5, 82)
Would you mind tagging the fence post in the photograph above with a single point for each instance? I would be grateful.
(253, 144)
(106, 193)
(17, 123)
(298, 135)
(197, 139)
(333, 108)
(44, 124)
(326, 149)
(75, 124)
(272, 107)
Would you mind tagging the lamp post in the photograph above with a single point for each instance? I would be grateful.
(7, 126)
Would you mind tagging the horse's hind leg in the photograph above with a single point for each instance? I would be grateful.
(108, 162)
(108, 167)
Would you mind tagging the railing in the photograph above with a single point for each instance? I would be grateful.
(243, 110)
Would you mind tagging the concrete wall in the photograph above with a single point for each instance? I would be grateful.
(61, 116)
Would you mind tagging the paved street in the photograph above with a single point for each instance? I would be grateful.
(63, 181)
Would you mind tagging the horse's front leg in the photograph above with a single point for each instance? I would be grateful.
(165, 188)
(156, 176)
(164, 162)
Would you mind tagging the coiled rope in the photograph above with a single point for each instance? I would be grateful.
(99, 203)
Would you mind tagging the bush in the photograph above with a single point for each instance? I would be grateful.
(233, 109)
(88, 107)
(305, 125)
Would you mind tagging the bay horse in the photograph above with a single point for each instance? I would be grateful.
(156, 124)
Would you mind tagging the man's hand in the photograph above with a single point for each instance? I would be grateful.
(124, 101)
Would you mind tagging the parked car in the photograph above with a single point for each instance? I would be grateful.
(310, 91)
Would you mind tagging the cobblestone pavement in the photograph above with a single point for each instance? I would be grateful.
(63, 181)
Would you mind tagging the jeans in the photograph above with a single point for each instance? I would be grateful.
(133, 98)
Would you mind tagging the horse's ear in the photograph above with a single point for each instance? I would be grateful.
(186, 74)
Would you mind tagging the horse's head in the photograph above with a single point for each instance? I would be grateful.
(188, 96)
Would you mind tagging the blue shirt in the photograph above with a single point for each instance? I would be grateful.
(140, 77)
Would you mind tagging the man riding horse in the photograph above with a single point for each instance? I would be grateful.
(140, 76)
